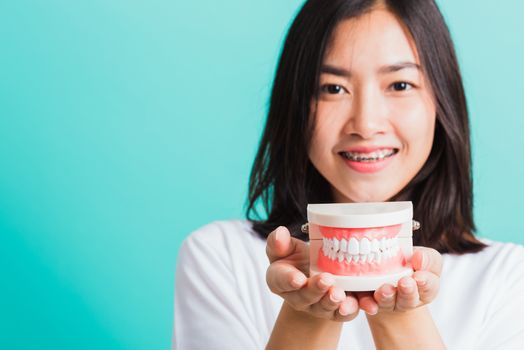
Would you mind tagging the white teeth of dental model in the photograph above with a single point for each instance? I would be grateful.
(365, 246)
(343, 245)
(375, 245)
(353, 246)
(360, 251)
(336, 244)
(383, 244)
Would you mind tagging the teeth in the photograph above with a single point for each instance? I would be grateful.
(353, 246)
(373, 156)
(375, 245)
(336, 244)
(383, 244)
(365, 246)
(344, 245)
(363, 251)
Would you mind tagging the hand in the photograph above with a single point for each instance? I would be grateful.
(413, 291)
(287, 276)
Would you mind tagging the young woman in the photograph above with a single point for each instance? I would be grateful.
(367, 105)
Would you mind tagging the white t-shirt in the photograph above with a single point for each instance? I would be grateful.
(222, 300)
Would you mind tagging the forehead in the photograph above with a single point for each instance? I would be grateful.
(375, 37)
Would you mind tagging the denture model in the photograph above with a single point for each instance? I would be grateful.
(364, 245)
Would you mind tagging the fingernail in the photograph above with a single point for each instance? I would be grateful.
(372, 313)
(388, 296)
(298, 281)
(342, 311)
(421, 281)
(337, 295)
(279, 233)
(407, 286)
(326, 281)
(388, 292)
(422, 261)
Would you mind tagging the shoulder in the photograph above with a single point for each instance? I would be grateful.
(498, 264)
(222, 241)
(497, 255)
(504, 261)
(223, 233)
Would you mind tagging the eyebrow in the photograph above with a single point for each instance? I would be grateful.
(342, 72)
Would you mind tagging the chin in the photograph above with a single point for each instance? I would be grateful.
(363, 194)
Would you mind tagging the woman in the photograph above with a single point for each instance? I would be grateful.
(367, 105)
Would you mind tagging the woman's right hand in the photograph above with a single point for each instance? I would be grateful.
(287, 276)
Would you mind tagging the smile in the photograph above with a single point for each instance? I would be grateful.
(369, 157)
(370, 162)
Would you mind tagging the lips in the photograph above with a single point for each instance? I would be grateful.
(368, 160)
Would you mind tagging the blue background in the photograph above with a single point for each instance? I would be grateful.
(125, 125)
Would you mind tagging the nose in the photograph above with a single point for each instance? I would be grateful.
(367, 117)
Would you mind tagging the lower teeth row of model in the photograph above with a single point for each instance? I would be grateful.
(361, 258)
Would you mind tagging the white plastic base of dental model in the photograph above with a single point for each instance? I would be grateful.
(367, 283)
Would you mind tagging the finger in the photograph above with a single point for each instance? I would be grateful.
(428, 285)
(427, 259)
(283, 277)
(330, 302)
(348, 309)
(367, 303)
(385, 297)
(280, 244)
(314, 290)
(407, 294)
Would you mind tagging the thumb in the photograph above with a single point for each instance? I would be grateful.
(280, 244)
(426, 259)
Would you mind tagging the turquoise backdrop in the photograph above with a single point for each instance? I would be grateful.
(125, 125)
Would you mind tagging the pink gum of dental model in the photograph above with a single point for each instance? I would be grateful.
(378, 258)
(363, 245)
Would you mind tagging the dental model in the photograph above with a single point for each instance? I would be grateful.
(364, 245)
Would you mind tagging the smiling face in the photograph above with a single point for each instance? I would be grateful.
(375, 114)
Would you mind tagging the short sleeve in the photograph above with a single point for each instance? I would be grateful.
(503, 325)
(208, 311)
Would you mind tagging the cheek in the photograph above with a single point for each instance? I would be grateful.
(325, 130)
(417, 126)
(319, 145)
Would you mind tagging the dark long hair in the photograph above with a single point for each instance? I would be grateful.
(284, 181)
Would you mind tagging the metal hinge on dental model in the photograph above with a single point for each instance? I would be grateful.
(305, 227)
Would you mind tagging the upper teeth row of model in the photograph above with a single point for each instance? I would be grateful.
(369, 156)
(361, 258)
(355, 247)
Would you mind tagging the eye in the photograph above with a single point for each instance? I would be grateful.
(401, 86)
(332, 89)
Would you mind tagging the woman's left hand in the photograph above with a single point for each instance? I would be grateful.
(413, 291)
